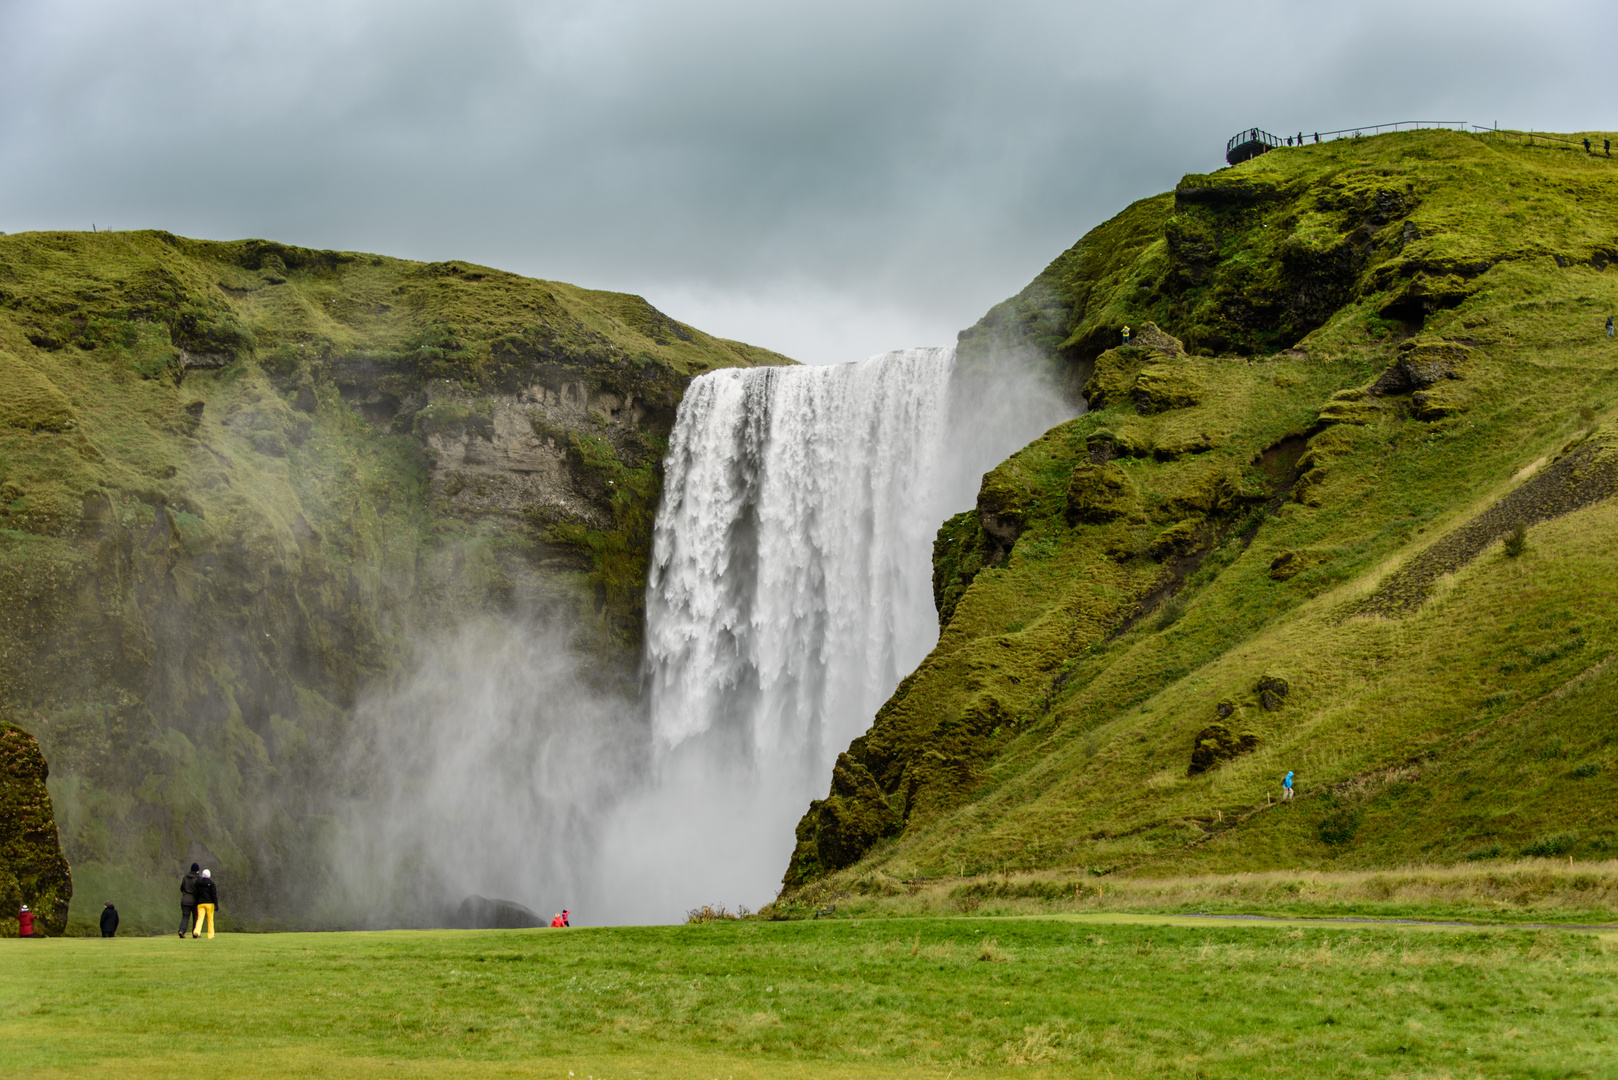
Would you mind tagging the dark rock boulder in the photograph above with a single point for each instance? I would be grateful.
(483, 913)
(32, 868)
(1272, 692)
(1002, 511)
(1423, 365)
(1149, 336)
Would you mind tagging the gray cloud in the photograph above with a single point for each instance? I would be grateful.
(829, 179)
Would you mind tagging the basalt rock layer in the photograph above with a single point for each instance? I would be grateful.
(1275, 542)
(236, 478)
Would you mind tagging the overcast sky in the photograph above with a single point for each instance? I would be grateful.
(829, 179)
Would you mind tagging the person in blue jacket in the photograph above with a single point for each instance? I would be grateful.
(1286, 788)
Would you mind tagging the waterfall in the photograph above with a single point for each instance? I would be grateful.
(790, 584)
(789, 591)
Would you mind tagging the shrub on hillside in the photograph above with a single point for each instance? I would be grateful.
(1517, 542)
(1552, 845)
(714, 913)
(1338, 828)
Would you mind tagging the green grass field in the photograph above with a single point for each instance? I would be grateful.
(1076, 996)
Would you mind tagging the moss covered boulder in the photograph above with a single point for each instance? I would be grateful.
(1216, 743)
(1098, 494)
(32, 869)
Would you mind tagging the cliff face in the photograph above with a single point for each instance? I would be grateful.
(1275, 541)
(238, 477)
(32, 869)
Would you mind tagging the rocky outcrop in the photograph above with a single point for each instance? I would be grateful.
(1587, 473)
(1216, 743)
(840, 828)
(32, 869)
(1098, 494)
(483, 913)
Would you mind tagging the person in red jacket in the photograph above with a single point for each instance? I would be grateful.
(560, 919)
(25, 922)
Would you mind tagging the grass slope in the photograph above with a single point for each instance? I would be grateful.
(891, 998)
(1375, 341)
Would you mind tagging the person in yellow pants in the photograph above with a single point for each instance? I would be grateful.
(207, 901)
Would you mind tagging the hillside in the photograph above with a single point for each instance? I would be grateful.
(1278, 541)
(238, 477)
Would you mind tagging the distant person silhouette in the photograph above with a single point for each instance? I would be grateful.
(1586, 146)
(1286, 788)
(1126, 335)
(1606, 144)
(25, 922)
(188, 900)
(1317, 136)
(560, 919)
(109, 920)
(1609, 326)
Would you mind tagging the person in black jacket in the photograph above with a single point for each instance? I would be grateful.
(207, 901)
(109, 920)
(188, 900)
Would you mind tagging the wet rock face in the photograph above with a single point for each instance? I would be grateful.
(483, 913)
(32, 869)
(504, 453)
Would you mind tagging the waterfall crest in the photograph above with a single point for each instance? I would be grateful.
(789, 587)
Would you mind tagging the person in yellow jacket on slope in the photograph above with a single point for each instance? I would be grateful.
(207, 902)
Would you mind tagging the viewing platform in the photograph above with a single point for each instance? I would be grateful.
(1249, 144)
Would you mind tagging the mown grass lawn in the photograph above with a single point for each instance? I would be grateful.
(891, 998)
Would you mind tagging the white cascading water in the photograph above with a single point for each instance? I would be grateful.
(788, 590)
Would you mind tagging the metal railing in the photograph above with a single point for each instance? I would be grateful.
(1251, 135)
(1533, 138)
(1255, 141)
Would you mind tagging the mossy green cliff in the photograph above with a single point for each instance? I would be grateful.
(1276, 541)
(32, 869)
(236, 478)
